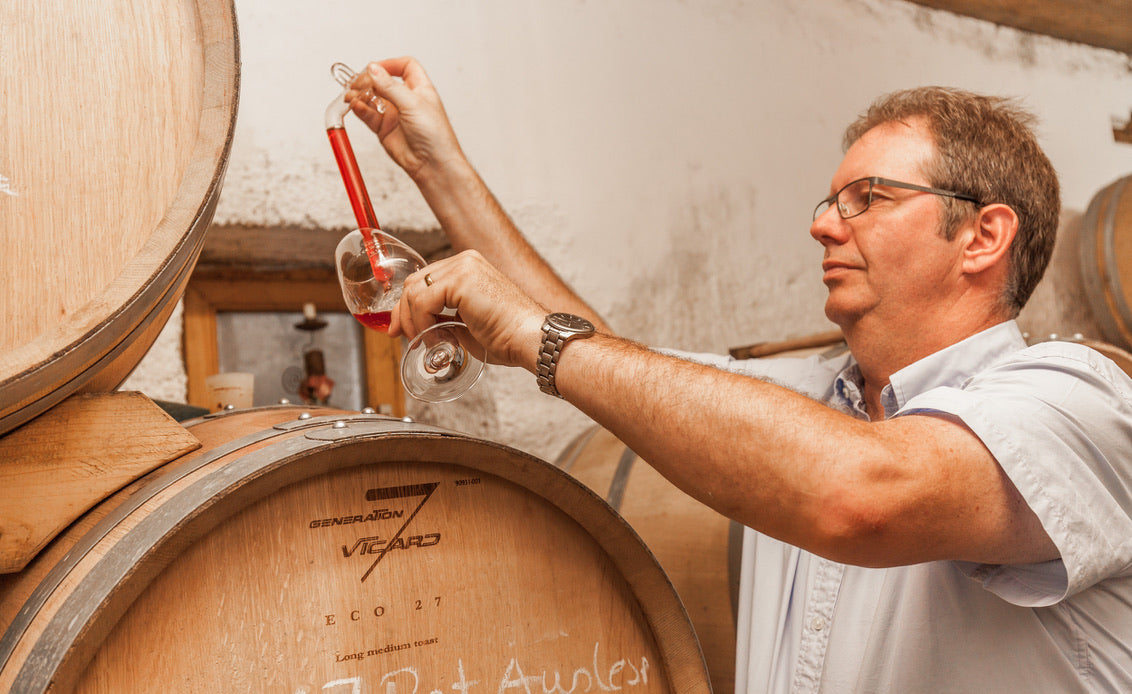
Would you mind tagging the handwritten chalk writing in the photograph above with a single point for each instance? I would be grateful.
(462, 685)
(374, 515)
(513, 677)
(599, 676)
(390, 680)
(5, 186)
(354, 683)
(376, 545)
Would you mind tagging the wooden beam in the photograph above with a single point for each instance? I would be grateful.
(1100, 23)
(294, 249)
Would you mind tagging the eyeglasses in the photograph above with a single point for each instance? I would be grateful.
(854, 198)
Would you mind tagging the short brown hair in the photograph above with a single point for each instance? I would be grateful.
(985, 148)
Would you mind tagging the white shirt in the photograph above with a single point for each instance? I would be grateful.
(1058, 419)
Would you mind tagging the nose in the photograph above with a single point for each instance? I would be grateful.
(828, 228)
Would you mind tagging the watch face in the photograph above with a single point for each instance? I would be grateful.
(568, 321)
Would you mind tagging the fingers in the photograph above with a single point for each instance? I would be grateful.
(376, 85)
(407, 68)
(370, 110)
(422, 299)
(368, 105)
(499, 315)
(363, 90)
(414, 129)
(386, 82)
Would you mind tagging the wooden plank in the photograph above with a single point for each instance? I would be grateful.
(384, 391)
(766, 349)
(59, 465)
(270, 293)
(202, 356)
(1100, 23)
(259, 249)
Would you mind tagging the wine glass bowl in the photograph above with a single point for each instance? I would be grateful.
(372, 267)
(442, 362)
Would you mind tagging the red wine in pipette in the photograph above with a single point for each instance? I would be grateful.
(359, 197)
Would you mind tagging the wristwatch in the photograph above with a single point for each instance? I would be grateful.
(557, 330)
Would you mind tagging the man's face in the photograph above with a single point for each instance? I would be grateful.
(889, 264)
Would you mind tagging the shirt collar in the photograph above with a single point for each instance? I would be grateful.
(952, 366)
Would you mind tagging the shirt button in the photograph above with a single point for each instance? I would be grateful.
(817, 624)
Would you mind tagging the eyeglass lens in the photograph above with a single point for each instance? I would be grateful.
(851, 200)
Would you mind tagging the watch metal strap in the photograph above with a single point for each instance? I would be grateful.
(548, 363)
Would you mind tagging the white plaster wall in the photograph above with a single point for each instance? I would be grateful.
(664, 155)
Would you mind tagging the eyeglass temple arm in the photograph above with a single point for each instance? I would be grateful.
(924, 189)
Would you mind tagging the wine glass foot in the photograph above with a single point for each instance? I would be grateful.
(441, 363)
(444, 362)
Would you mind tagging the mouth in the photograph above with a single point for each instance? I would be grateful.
(831, 267)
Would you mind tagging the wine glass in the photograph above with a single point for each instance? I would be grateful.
(441, 362)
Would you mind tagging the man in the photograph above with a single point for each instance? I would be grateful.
(944, 509)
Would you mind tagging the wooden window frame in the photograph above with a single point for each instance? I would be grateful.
(233, 274)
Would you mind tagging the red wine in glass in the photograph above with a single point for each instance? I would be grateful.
(375, 320)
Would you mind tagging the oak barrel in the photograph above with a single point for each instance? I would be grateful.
(1106, 260)
(304, 553)
(117, 119)
(1119, 356)
(698, 548)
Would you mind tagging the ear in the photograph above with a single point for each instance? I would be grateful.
(990, 238)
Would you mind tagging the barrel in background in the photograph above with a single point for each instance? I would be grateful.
(117, 122)
(697, 547)
(1106, 260)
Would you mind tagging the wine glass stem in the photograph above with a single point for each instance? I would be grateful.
(440, 357)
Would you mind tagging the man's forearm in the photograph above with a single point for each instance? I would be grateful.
(900, 491)
(711, 433)
(473, 219)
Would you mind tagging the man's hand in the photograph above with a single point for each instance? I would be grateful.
(499, 315)
(414, 129)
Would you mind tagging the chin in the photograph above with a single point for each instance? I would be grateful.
(841, 313)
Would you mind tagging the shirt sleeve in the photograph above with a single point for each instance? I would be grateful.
(1058, 419)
